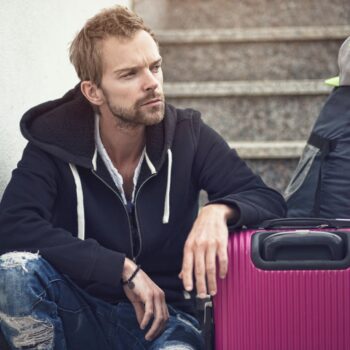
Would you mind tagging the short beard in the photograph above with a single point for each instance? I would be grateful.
(134, 117)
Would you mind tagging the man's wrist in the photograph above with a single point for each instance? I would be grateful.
(129, 282)
(129, 268)
(226, 212)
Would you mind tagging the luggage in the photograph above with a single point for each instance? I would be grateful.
(288, 288)
(320, 185)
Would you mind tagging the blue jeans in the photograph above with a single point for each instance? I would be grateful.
(42, 309)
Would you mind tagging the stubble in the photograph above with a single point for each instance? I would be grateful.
(138, 114)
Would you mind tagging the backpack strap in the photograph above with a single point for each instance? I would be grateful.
(325, 146)
(322, 143)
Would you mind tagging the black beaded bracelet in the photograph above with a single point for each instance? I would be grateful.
(129, 281)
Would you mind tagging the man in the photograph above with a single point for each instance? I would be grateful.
(102, 208)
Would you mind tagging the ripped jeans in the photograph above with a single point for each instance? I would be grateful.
(43, 310)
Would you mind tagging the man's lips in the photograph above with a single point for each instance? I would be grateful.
(153, 101)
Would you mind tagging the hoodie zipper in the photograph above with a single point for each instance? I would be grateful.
(126, 212)
(136, 216)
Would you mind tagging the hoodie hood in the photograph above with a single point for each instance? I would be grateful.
(65, 129)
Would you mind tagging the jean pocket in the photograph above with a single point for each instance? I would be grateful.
(188, 321)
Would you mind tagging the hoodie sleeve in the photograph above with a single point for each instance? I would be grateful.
(228, 180)
(26, 216)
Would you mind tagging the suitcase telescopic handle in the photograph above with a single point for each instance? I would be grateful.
(305, 223)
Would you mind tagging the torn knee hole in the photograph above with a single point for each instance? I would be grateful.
(176, 345)
(15, 259)
(30, 332)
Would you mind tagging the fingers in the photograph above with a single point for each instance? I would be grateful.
(149, 310)
(149, 304)
(200, 258)
(223, 259)
(139, 310)
(210, 263)
(187, 267)
(166, 311)
(200, 272)
(161, 316)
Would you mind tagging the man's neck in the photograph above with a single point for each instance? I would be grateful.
(123, 143)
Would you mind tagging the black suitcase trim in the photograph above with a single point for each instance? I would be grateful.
(294, 244)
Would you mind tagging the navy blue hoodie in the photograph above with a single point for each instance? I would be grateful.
(61, 187)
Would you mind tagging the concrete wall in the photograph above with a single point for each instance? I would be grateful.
(34, 64)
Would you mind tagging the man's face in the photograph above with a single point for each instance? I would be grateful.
(132, 80)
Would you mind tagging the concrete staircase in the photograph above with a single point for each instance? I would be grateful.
(254, 68)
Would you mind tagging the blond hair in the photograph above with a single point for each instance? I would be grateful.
(85, 49)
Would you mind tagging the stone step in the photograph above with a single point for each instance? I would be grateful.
(271, 53)
(276, 173)
(246, 88)
(257, 118)
(268, 149)
(184, 14)
(254, 111)
(274, 161)
(245, 35)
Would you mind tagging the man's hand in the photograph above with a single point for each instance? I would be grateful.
(148, 300)
(207, 240)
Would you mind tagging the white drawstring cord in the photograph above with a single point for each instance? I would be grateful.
(80, 202)
(80, 197)
(167, 192)
(150, 165)
(94, 159)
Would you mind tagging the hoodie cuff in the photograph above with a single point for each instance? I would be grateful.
(108, 268)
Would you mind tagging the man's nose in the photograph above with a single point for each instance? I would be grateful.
(150, 81)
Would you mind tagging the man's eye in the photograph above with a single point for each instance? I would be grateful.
(156, 68)
(128, 75)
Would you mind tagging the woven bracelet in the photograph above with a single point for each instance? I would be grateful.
(129, 282)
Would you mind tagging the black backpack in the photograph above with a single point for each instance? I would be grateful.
(320, 186)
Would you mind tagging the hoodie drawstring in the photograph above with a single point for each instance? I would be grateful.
(80, 197)
(167, 192)
(94, 160)
(150, 165)
(80, 202)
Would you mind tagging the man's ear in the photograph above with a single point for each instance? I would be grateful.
(92, 92)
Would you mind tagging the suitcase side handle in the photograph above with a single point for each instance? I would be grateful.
(300, 250)
(303, 245)
(305, 223)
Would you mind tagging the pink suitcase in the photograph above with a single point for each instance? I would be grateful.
(287, 292)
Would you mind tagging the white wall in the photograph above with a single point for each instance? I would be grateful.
(34, 63)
